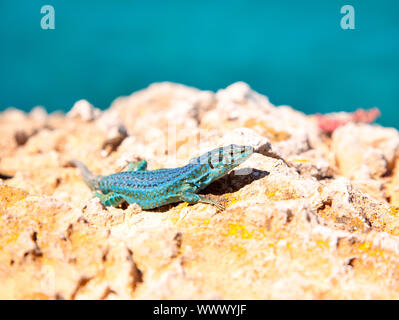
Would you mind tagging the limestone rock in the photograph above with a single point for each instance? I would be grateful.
(357, 144)
(84, 110)
(245, 136)
(306, 216)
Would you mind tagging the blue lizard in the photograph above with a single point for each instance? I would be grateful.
(152, 189)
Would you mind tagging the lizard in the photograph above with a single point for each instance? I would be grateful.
(155, 188)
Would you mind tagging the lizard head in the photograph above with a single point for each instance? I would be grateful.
(219, 161)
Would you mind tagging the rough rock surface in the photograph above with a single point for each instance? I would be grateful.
(308, 216)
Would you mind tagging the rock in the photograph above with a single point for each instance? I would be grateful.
(306, 216)
(245, 136)
(356, 144)
(84, 110)
(38, 114)
(365, 154)
(114, 130)
(313, 163)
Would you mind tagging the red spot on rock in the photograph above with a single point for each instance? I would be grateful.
(331, 121)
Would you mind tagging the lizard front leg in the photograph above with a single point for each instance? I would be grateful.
(110, 199)
(136, 166)
(193, 198)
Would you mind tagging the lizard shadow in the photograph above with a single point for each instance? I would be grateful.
(229, 183)
(233, 182)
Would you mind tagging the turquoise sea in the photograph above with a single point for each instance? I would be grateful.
(295, 52)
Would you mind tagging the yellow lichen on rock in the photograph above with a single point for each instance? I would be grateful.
(9, 195)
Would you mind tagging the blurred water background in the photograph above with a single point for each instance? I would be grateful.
(295, 52)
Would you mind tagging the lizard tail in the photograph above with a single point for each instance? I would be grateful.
(91, 179)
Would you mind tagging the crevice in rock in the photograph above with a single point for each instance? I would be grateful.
(83, 220)
(69, 231)
(105, 255)
(351, 262)
(342, 241)
(81, 284)
(289, 216)
(57, 182)
(388, 173)
(5, 176)
(112, 144)
(36, 252)
(58, 296)
(135, 272)
(107, 292)
(324, 205)
(178, 238)
(21, 137)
